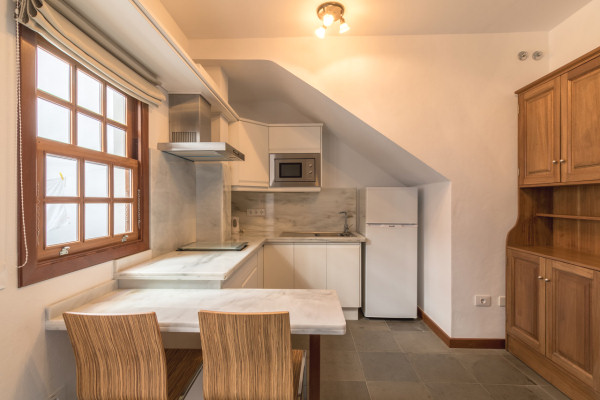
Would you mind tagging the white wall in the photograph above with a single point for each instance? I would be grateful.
(435, 248)
(448, 100)
(575, 36)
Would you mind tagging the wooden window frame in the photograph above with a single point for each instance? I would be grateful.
(45, 263)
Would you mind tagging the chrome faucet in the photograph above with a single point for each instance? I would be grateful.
(346, 227)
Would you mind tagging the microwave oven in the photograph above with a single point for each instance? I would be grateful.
(295, 170)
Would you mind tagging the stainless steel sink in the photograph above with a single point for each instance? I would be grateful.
(316, 234)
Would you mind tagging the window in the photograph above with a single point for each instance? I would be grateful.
(85, 167)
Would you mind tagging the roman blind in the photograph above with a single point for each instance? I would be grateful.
(73, 34)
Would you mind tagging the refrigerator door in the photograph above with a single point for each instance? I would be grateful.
(391, 205)
(391, 271)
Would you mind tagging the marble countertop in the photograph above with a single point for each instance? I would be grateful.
(312, 312)
(214, 265)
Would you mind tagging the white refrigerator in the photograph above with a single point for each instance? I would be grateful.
(388, 219)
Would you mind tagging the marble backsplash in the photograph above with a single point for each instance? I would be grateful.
(296, 212)
(213, 201)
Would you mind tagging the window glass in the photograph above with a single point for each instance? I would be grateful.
(116, 106)
(122, 182)
(53, 75)
(116, 141)
(96, 179)
(62, 222)
(122, 218)
(61, 176)
(53, 121)
(89, 92)
(96, 220)
(89, 132)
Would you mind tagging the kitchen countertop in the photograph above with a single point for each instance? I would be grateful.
(312, 311)
(214, 265)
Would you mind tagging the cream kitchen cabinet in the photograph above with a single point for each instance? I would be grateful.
(246, 276)
(252, 139)
(316, 266)
(301, 138)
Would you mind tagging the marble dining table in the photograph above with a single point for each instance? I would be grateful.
(312, 312)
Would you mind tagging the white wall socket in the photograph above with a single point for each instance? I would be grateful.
(255, 212)
(501, 301)
(483, 301)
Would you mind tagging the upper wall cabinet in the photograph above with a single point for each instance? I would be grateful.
(295, 138)
(252, 139)
(559, 128)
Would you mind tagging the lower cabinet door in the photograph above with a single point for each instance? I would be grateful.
(343, 272)
(572, 320)
(525, 299)
(278, 266)
(310, 266)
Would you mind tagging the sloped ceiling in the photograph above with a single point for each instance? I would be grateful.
(264, 81)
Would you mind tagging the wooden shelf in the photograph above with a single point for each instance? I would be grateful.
(565, 255)
(565, 216)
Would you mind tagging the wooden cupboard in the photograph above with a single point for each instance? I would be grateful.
(553, 251)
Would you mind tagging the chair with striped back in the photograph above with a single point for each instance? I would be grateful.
(121, 356)
(249, 357)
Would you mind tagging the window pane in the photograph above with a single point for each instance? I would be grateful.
(61, 176)
(62, 221)
(96, 220)
(53, 75)
(115, 141)
(53, 121)
(89, 132)
(122, 218)
(89, 92)
(122, 182)
(96, 180)
(115, 105)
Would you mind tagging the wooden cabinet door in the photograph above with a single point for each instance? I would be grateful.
(278, 266)
(343, 272)
(571, 319)
(310, 266)
(252, 140)
(539, 134)
(580, 149)
(525, 299)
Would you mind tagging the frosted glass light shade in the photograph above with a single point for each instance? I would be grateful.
(320, 32)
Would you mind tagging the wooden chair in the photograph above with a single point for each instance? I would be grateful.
(249, 357)
(122, 357)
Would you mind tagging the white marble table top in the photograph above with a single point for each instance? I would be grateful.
(312, 311)
(213, 265)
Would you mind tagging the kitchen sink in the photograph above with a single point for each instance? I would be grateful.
(316, 234)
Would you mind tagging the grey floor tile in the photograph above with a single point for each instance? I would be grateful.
(379, 366)
(389, 390)
(367, 324)
(517, 392)
(458, 391)
(374, 340)
(493, 369)
(338, 342)
(341, 366)
(440, 368)
(420, 342)
(531, 374)
(332, 390)
(487, 352)
(407, 325)
(554, 393)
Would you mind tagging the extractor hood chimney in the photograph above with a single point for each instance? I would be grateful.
(190, 133)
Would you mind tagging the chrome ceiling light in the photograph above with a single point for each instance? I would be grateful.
(328, 13)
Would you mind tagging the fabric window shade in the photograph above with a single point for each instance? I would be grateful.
(65, 28)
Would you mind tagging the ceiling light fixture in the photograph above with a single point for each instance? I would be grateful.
(328, 13)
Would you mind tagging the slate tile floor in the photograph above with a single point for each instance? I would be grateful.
(403, 359)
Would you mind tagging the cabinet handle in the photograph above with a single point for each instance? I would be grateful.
(540, 277)
(554, 162)
(547, 280)
(561, 161)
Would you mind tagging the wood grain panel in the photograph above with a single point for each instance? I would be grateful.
(569, 317)
(580, 148)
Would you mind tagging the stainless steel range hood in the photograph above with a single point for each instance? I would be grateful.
(190, 132)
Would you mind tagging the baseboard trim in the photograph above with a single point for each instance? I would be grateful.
(460, 343)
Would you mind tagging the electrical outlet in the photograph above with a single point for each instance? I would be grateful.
(483, 301)
(58, 394)
(256, 212)
(501, 301)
